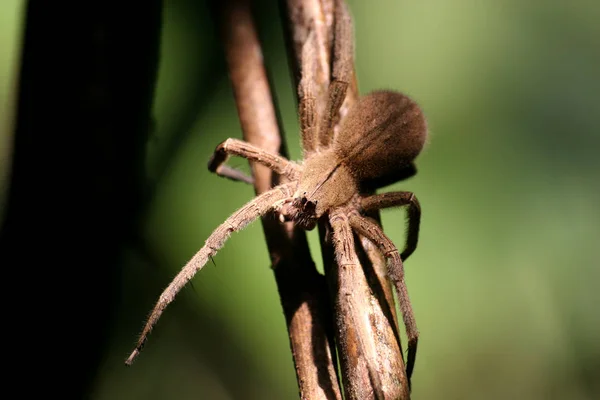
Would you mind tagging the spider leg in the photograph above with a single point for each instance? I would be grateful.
(374, 233)
(236, 147)
(400, 174)
(237, 221)
(346, 259)
(398, 199)
(342, 65)
(307, 102)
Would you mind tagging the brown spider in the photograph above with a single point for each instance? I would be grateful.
(376, 145)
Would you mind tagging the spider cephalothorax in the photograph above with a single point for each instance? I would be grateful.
(378, 140)
(375, 145)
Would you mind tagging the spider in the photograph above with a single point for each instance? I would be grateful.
(376, 145)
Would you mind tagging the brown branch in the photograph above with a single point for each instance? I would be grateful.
(302, 289)
(366, 325)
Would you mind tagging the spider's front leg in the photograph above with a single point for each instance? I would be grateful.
(374, 233)
(342, 69)
(307, 96)
(258, 207)
(398, 199)
(276, 163)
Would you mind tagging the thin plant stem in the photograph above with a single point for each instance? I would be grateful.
(303, 291)
(368, 341)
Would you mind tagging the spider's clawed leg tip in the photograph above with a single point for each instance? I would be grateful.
(132, 357)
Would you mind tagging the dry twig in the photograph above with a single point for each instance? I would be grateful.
(366, 328)
(302, 289)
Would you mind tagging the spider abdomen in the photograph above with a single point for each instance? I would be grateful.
(382, 134)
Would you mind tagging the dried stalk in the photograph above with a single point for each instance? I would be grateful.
(366, 327)
(302, 289)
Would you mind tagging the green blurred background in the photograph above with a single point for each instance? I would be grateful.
(505, 282)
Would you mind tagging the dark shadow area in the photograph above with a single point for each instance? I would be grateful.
(86, 86)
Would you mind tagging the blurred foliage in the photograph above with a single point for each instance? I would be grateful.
(10, 41)
(505, 281)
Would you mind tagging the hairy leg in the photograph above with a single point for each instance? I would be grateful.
(278, 164)
(400, 174)
(307, 96)
(346, 258)
(398, 199)
(342, 66)
(237, 221)
(374, 233)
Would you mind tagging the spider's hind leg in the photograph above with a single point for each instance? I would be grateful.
(398, 199)
(400, 174)
(276, 163)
